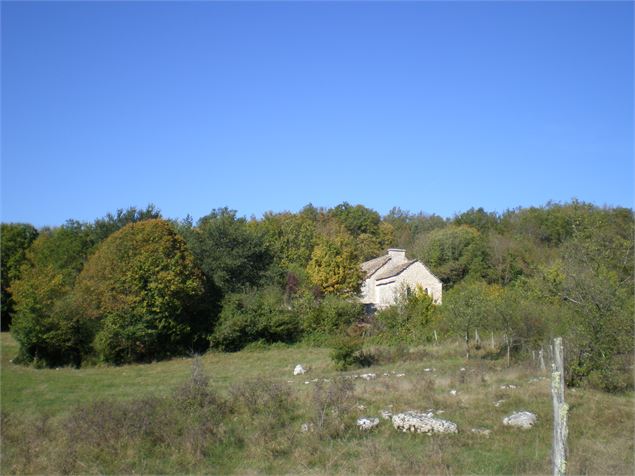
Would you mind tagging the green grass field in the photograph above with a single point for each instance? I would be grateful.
(48, 425)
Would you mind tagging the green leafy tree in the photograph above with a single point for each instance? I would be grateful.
(335, 266)
(407, 227)
(290, 237)
(511, 258)
(144, 290)
(232, 254)
(47, 276)
(102, 228)
(504, 311)
(46, 329)
(479, 219)
(357, 219)
(597, 286)
(15, 239)
(465, 309)
(454, 253)
(365, 225)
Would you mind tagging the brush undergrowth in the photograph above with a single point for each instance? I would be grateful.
(209, 422)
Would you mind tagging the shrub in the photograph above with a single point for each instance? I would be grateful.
(196, 396)
(250, 317)
(347, 352)
(329, 315)
(332, 407)
(263, 397)
(409, 319)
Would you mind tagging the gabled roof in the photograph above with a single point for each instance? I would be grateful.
(395, 269)
(371, 266)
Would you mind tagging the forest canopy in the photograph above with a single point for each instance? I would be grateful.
(133, 286)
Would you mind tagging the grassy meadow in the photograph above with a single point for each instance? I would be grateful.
(165, 418)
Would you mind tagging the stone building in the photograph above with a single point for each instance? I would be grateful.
(386, 276)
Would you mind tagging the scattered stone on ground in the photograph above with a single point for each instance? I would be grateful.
(307, 427)
(499, 403)
(385, 414)
(482, 431)
(368, 376)
(428, 370)
(400, 375)
(361, 407)
(522, 419)
(367, 423)
(508, 386)
(536, 379)
(306, 382)
(419, 422)
(462, 369)
(453, 392)
(299, 370)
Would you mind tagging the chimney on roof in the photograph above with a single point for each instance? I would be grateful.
(396, 255)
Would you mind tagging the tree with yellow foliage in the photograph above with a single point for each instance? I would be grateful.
(335, 265)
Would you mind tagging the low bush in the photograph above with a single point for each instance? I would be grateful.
(348, 352)
(409, 320)
(250, 317)
(330, 315)
(332, 407)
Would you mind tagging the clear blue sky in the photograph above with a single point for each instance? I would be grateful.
(269, 106)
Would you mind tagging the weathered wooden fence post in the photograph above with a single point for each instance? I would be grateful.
(560, 411)
(436, 340)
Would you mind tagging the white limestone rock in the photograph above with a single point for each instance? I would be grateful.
(368, 376)
(385, 414)
(482, 431)
(453, 392)
(307, 427)
(524, 420)
(418, 422)
(367, 423)
(299, 370)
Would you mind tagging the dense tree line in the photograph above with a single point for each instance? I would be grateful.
(132, 286)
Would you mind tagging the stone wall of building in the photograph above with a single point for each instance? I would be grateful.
(386, 290)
